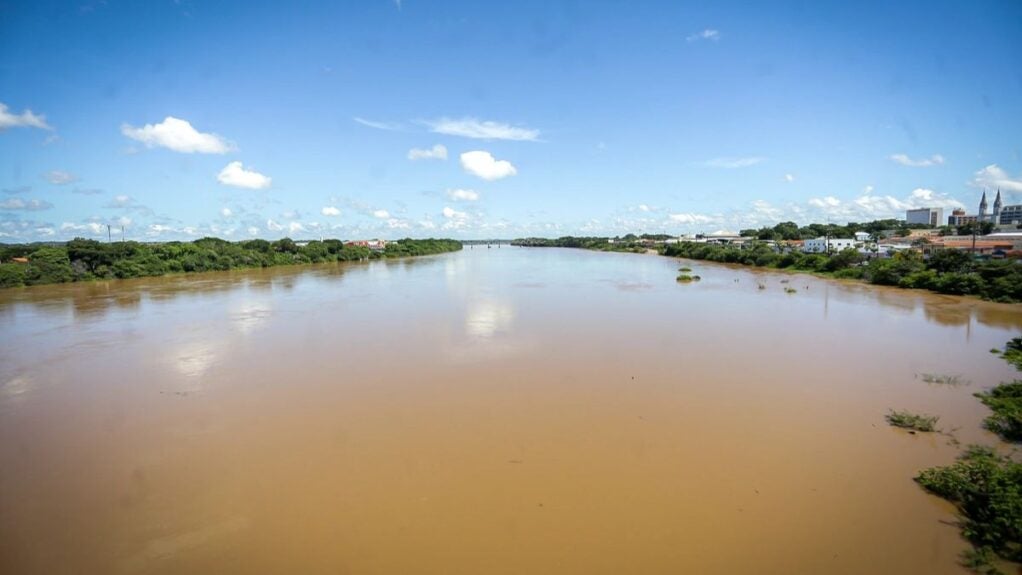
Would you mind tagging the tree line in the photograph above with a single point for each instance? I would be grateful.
(83, 259)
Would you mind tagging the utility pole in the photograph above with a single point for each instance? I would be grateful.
(108, 240)
(122, 234)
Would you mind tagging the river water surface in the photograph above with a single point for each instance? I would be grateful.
(505, 410)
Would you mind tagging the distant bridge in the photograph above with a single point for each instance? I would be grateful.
(485, 242)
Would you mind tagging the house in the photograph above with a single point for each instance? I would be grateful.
(827, 245)
(375, 245)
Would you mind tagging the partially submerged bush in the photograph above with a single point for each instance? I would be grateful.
(685, 278)
(1005, 401)
(944, 379)
(684, 269)
(913, 421)
(987, 489)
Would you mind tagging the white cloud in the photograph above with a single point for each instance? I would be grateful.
(120, 201)
(437, 152)
(295, 227)
(60, 177)
(273, 226)
(451, 213)
(179, 136)
(398, 224)
(94, 228)
(643, 208)
(731, 163)
(789, 177)
(484, 165)
(691, 218)
(482, 130)
(330, 211)
(707, 34)
(234, 174)
(381, 214)
(869, 206)
(463, 195)
(26, 119)
(388, 126)
(994, 177)
(253, 231)
(27, 205)
(904, 160)
(226, 212)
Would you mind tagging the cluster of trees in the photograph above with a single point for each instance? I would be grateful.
(944, 271)
(82, 259)
(876, 229)
(628, 243)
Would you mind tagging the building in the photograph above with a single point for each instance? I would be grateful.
(958, 218)
(863, 236)
(822, 245)
(925, 216)
(1010, 215)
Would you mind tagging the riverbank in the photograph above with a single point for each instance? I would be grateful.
(951, 272)
(85, 260)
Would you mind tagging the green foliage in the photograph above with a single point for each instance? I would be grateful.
(685, 278)
(82, 259)
(12, 275)
(913, 421)
(987, 489)
(48, 266)
(1005, 401)
(1013, 352)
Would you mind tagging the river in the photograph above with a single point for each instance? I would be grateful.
(506, 410)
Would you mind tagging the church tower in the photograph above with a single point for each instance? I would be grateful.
(997, 208)
(982, 214)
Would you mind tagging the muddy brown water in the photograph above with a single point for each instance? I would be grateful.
(507, 410)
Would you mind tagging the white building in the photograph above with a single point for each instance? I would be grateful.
(925, 216)
(862, 236)
(823, 245)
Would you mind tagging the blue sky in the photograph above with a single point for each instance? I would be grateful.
(179, 119)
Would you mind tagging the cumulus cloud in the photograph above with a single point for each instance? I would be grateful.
(904, 160)
(731, 163)
(398, 224)
(388, 126)
(484, 165)
(452, 213)
(26, 205)
(870, 206)
(234, 174)
(59, 177)
(789, 177)
(437, 152)
(690, 218)
(381, 214)
(482, 129)
(25, 119)
(643, 208)
(295, 227)
(87, 191)
(226, 212)
(94, 228)
(707, 34)
(330, 211)
(994, 177)
(177, 135)
(18, 190)
(463, 195)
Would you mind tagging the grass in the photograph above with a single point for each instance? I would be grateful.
(685, 269)
(986, 487)
(685, 278)
(790, 290)
(943, 379)
(912, 421)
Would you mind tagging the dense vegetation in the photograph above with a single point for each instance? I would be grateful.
(81, 259)
(986, 486)
(943, 271)
(987, 489)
